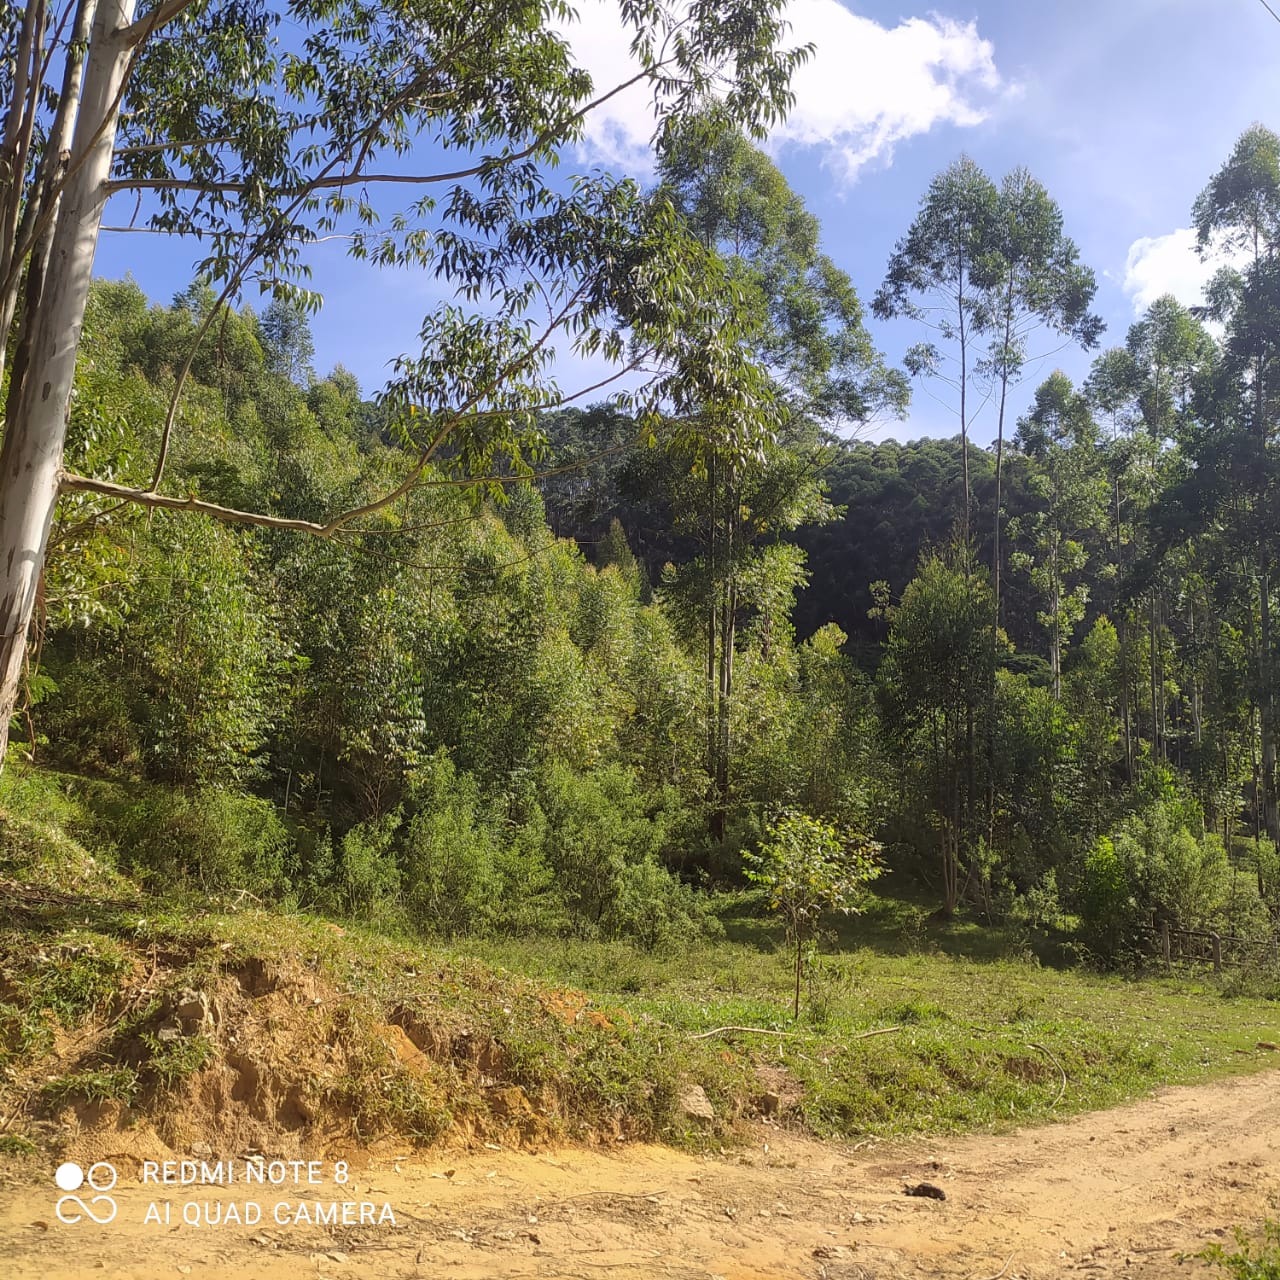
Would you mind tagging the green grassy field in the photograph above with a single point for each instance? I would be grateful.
(908, 1024)
(979, 1038)
(985, 1030)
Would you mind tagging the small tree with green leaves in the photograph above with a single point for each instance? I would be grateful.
(808, 866)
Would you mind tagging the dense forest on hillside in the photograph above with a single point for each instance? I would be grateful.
(580, 693)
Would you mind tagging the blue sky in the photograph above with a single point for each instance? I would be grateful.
(1122, 108)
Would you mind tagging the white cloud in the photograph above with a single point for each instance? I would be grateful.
(864, 89)
(1157, 265)
(868, 87)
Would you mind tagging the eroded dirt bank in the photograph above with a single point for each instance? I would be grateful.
(1111, 1193)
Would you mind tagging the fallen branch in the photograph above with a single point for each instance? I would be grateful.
(768, 1031)
(758, 1031)
(1008, 1260)
(1031, 1044)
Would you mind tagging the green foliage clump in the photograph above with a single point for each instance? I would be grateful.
(603, 839)
(169, 1062)
(449, 853)
(1252, 1258)
(56, 984)
(208, 839)
(108, 1084)
(806, 867)
(1159, 864)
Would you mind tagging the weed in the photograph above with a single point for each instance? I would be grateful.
(54, 981)
(169, 1062)
(1251, 1259)
(109, 1084)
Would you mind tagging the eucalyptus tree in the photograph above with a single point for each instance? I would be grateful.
(1170, 349)
(1239, 211)
(254, 131)
(1060, 436)
(932, 684)
(1034, 281)
(937, 274)
(1112, 390)
(808, 334)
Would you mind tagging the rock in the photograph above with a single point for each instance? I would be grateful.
(510, 1102)
(169, 1031)
(1268, 1044)
(926, 1189)
(193, 1011)
(201, 1150)
(694, 1102)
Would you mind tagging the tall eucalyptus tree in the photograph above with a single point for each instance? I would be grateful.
(254, 130)
(1034, 281)
(936, 274)
(808, 333)
(1239, 211)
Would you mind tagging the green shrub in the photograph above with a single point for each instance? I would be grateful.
(654, 909)
(1190, 877)
(88, 721)
(365, 880)
(1154, 866)
(530, 901)
(1109, 911)
(596, 826)
(210, 839)
(602, 841)
(448, 854)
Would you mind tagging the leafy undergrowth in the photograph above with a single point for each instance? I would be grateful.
(193, 1025)
(1252, 1258)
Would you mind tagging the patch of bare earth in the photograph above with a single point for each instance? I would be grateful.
(1118, 1193)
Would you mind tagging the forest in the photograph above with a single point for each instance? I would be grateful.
(577, 575)
(641, 660)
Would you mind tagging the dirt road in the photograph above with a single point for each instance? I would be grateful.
(1107, 1194)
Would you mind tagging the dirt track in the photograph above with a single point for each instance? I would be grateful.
(1113, 1193)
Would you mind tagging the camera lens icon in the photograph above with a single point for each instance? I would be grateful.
(70, 1177)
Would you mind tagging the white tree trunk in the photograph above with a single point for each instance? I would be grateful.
(31, 457)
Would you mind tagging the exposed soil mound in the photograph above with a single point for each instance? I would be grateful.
(210, 1050)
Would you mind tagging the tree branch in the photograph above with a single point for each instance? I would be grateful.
(337, 181)
(73, 483)
(140, 30)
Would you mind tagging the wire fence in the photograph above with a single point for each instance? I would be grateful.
(1208, 947)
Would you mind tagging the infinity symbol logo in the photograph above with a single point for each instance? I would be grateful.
(70, 1218)
(71, 1177)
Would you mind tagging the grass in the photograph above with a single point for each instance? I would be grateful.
(109, 1084)
(985, 1030)
(985, 1033)
(991, 1027)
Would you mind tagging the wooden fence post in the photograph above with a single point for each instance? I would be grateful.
(1216, 940)
(1166, 953)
